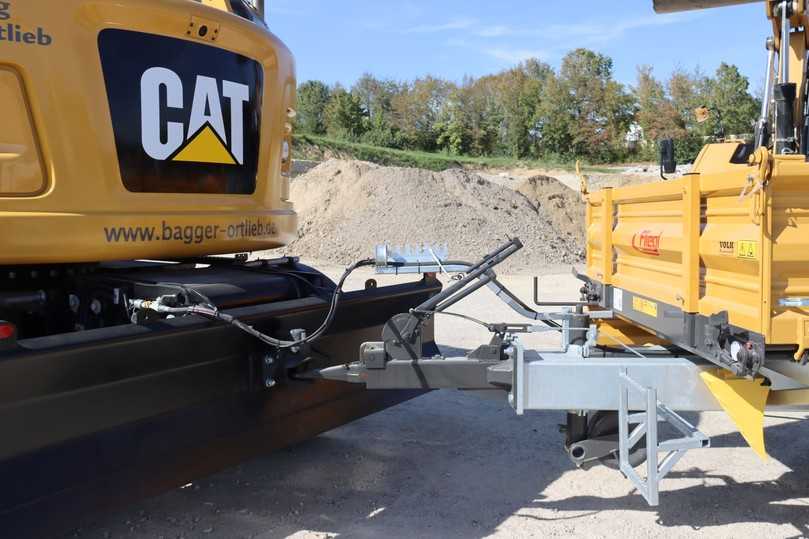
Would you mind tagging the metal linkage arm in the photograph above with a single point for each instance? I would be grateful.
(429, 259)
(456, 292)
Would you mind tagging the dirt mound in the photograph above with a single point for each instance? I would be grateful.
(348, 207)
(564, 207)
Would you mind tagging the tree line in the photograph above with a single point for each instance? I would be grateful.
(534, 111)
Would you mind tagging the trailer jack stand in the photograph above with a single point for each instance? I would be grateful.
(646, 427)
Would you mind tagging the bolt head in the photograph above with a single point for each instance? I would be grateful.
(269, 382)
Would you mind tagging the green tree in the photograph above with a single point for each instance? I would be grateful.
(376, 98)
(687, 91)
(313, 98)
(532, 111)
(655, 111)
(601, 107)
(656, 114)
(729, 94)
(417, 107)
(375, 95)
(453, 128)
(379, 131)
(485, 117)
(520, 96)
(585, 112)
(345, 117)
(554, 119)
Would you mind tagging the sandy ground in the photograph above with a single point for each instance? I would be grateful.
(452, 465)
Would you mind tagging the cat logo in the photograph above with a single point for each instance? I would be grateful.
(203, 139)
(186, 116)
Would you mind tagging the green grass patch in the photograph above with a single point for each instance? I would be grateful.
(427, 160)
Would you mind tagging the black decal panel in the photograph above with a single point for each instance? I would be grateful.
(186, 116)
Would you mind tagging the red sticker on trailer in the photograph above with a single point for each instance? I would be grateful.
(647, 242)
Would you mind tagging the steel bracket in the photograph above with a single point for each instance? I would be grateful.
(646, 427)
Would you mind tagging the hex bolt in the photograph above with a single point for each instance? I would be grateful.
(95, 307)
(268, 360)
(74, 302)
(269, 382)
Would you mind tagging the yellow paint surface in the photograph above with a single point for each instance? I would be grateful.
(743, 400)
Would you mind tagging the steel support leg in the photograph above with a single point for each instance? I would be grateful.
(646, 426)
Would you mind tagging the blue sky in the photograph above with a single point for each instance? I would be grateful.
(339, 40)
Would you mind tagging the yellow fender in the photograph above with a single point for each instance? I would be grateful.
(744, 400)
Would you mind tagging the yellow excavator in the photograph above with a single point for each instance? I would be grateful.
(138, 140)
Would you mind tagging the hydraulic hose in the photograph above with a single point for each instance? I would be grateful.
(209, 311)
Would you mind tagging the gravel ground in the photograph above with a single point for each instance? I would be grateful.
(450, 464)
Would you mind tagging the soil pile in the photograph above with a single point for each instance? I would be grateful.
(564, 207)
(347, 207)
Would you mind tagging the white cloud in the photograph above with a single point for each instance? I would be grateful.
(555, 40)
(455, 24)
(495, 31)
(458, 42)
(515, 56)
(578, 34)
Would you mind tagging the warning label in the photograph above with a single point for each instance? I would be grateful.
(747, 249)
(644, 306)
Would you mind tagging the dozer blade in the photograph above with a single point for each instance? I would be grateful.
(743, 399)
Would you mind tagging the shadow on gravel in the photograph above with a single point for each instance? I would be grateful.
(443, 465)
(720, 499)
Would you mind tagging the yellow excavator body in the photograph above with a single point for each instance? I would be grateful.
(154, 129)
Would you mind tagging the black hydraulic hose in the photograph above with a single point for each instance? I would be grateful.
(208, 310)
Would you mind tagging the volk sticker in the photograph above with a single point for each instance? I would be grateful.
(186, 116)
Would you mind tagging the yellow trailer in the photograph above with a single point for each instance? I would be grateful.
(716, 261)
